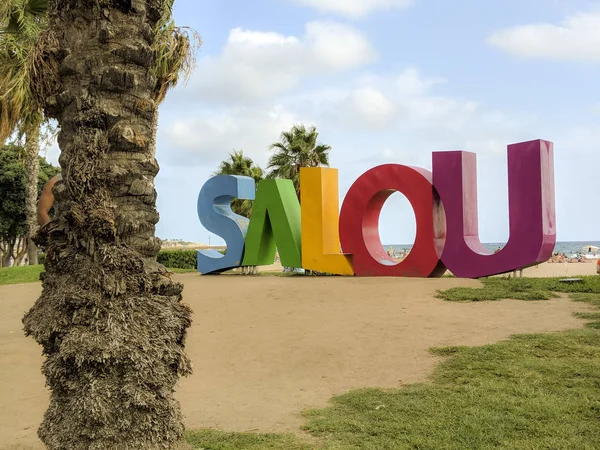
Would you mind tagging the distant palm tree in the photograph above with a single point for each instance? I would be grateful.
(21, 21)
(297, 148)
(238, 164)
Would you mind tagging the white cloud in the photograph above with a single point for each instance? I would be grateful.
(256, 65)
(354, 8)
(337, 46)
(209, 135)
(411, 83)
(405, 100)
(367, 106)
(238, 36)
(577, 38)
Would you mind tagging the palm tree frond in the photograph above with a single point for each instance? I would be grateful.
(23, 22)
(296, 148)
(23, 17)
(175, 55)
(36, 7)
(239, 164)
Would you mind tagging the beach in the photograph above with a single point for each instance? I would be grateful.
(266, 348)
(561, 269)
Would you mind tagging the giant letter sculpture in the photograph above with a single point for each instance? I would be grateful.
(214, 211)
(359, 222)
(445, 206)
(275, 224)
(531, 210)
(320, 217)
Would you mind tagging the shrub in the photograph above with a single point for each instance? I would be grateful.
(178, 259)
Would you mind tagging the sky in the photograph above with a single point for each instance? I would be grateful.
(389, 81)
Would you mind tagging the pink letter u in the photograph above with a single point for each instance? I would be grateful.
(531, 210)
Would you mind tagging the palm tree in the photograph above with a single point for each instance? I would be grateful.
(238, 164)
(297, 148)
(110, 319)
(13, 189)
(21, 21)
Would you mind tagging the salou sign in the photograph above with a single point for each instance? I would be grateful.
(315, 235)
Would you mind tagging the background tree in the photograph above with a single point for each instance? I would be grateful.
(13, 195)
(238, 164)
(297, 148)
(21, 21)
(110, 318)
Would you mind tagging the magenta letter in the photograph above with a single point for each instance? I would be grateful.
(531, 210)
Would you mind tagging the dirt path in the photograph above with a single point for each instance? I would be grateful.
(266, 348)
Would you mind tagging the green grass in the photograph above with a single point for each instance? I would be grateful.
(588, 316)
(521, 289)
(176, 270)
(592, 299)
(212, 440)
(17, 275)
(31, 274)
(535, 391)
(532, 391)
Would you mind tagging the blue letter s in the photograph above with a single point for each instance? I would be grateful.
(214, 212)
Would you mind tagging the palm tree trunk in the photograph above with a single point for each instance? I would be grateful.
(32, 168)
(20, 251)
(110, 319)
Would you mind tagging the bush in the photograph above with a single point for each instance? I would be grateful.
(41, 258)
(178, 259)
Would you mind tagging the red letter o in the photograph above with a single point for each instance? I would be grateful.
(359, 222)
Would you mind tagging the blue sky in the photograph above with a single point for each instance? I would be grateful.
(390, 81)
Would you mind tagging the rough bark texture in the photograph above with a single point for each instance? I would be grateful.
(32, 167)
(110, 319)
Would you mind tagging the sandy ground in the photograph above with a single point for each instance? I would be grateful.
(542, 270)
(561, 270)
(266, 348)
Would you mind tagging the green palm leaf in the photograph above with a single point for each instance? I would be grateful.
(239, 164)
(21, 22)
(296, 148)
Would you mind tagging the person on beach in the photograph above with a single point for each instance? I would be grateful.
(46, 201)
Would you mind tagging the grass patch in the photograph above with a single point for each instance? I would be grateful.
(219, 440)
(588, 316)
(20, 274)
(592, 299)
(178, 270)
(528, 392)
(532, 391)
(521, 289)
(31, 274)
(445, 351)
